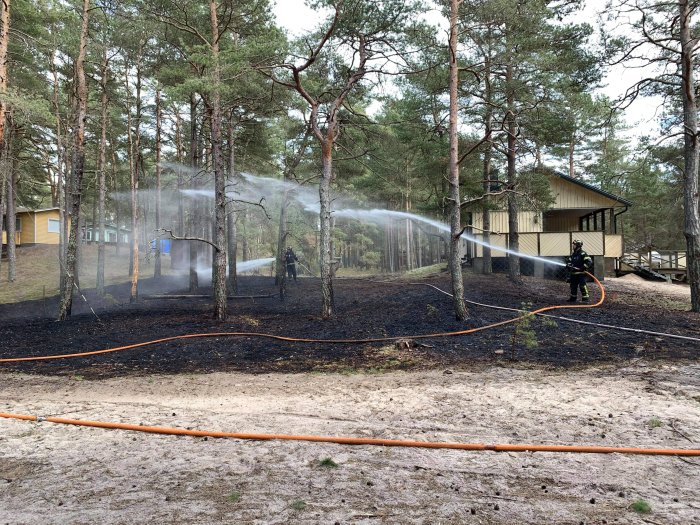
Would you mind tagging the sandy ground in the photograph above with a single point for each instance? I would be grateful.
(53, 473)
(629, 282)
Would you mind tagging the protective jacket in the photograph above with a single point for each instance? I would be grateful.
(580, 261)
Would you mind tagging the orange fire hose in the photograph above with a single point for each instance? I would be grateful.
(303, 340)
(478, 447)
(337, 439)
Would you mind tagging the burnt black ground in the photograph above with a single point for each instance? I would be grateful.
(364, 309)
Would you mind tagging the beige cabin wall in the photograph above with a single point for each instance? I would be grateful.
(570, 196)
(18, 238)
(27, 224)
(528, 221)
(42, 235)
(562, 222)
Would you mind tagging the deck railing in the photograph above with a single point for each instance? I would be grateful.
(657, 260)
(554, 244)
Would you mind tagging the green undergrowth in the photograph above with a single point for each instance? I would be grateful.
(425, 271)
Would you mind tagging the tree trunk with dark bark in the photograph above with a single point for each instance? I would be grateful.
(77, 169)
(455, 263)
(4, 152)
(157, 262)
(487, 264)
(135, 180)
(232, 234)
(194, 209)
(280, 268)
(220, 258)
(101, 178)
(511, 153)
(691, 150)
(11, 220)
(324, 192)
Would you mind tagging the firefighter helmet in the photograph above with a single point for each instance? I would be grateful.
(578, 243)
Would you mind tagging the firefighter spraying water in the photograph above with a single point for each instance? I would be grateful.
(578, 264)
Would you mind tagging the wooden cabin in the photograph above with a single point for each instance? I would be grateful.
(36, 226)
(580, 211)
(113, 234)
(44, 226)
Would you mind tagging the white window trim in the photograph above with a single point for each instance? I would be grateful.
(48, 225)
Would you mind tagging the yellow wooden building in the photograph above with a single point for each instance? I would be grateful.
(36, 226)
(580, 211)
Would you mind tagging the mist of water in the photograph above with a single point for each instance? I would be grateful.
(253, 188)
(246, 266)
(381, 216)
(204, 270)
(308, 199)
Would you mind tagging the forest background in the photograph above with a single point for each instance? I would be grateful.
(109, 110)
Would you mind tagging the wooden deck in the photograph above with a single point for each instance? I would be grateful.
(668, 264)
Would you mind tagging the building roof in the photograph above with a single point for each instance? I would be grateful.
(21, 209)
(592, 188)
(88, 225)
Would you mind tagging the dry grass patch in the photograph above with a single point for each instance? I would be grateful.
(38, 271)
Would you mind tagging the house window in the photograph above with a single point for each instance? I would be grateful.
(54, 226)
(18, 224)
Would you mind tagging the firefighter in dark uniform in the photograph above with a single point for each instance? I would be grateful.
(290, 259)
(579, 262)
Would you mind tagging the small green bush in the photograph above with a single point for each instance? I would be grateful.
(328, 463)
(655, 422)
(641, 506)
(299, 505)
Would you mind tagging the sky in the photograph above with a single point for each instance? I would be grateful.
(297, 18)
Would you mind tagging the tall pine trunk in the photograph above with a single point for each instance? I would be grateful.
(691, 150)
(324, 192)
(220, 258)
(157, 263)
(137, 165)
(60, 173)
(232, 240)
(3, 194)
(194, 210)
(4, 152)
(513, 240)
(11, 213)
(77, 168)
(280, 268)
(102, 179)
(487, 264)
(4, 42)
(455, 262)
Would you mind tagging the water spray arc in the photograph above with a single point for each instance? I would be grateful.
(380, 215)
(247, 266)
(257, 187)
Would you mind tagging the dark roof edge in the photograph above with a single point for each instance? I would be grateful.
(593, 188)
(22, 209)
